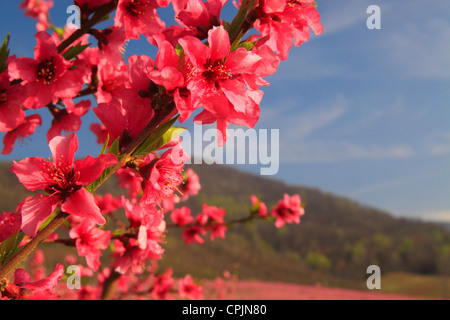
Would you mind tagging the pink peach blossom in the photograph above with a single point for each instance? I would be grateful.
(188, 289)
(288, 210)
(47, 77)
(63, 181)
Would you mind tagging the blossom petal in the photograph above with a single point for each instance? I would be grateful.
(243, 61)
(23, 68)
(92, 258)
(29, 125)
(112, 119)
(21, 276)
(51, 280)
(195, 50)
(219, 42)
(167, 56)
(31, 173)
(68, 123)
(45, 46)
(236, 92)
(82, 204)
(91, 168)
(138, 64)
(184, 105)
(8, 141)
(273, 6)
(38, 95)
(68, 87)
(35, 211)
(169, 77)
(313, 17)
(281, 36)
(11, 115)
(63, 149)
(10, 223)
(193, 14)
(43, 288)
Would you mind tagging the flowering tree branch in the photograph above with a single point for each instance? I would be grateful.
(33, 244)
(203, 64)
(98, 16)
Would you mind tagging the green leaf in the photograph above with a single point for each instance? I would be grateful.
(180, 52)
(255, 208)
(50, 218)
(240, 17)
(226, 25)
(59, 31)
(4, 53)
(247, 45)
(94, 185)
(170, 134)
(105, 145)
(236, 42)
(114, 149)
(73, 51)
(178, 49)
(10, 246)
(160, 137)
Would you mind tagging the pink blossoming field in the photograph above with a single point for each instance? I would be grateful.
(206, 70)
(259, 290)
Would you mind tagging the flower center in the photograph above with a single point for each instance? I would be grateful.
(216, 71)
(170, 180)
(46, 70)
(64, 181)
(109, 85)
(138, 7)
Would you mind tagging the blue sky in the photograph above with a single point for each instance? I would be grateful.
(362, 113)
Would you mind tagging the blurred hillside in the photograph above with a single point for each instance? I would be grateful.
(334, 244)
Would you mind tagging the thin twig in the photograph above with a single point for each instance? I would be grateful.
(32, 245)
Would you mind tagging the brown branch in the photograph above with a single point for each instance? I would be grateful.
(32, 245)
(110, 285)
(229, 223)
(140, 138)
(99, 16)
